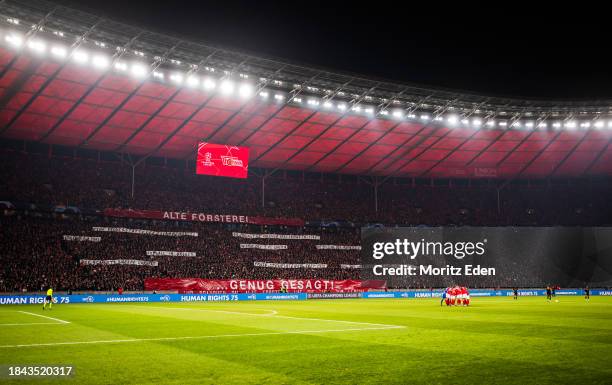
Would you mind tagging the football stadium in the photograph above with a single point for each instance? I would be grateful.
(173, 212)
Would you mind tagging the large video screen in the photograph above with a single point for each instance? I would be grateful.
(222, 160)
(488, 256)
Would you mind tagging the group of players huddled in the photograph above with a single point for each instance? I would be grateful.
(455, 296)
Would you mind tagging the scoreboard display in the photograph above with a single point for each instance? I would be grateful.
(222, 160)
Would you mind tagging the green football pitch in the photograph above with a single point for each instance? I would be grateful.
(354, 341)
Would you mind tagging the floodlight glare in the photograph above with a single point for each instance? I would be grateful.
(14, 40)
(177, 78)
(598, 124)
(209, 84)
(100, 62)
(477, 122)
(342, 106)
(424, 117)
(246, 90)
(80, 57)
(193, 81)
(158, 75)
(264, 94)
(59, 51)
(491, 123)
(37, 46)
(139, 70)
(452, 119)
(398, 114)
(120, 66)
(227, 87)
(279, 97)
(328, 104)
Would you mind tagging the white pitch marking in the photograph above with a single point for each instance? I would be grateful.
(271, 312)
(275, 314)
(196, 337)
(44, 316)
(32, 323)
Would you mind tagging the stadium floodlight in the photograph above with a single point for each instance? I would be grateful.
(465, 121)
(264, 94)
(384, 112)
(193, 81)
(279, 97)
(158, 75)
(226, 87)
(599, 124)
(425, 117)
(313, 102)
(609, 123)
(80, 57)
(476, 122)
(120, 66)
(557, 125)
(246, 90)
(342, 106)
(490, 123)
(209, 84)
(297, 100)
(139, 70)
(529, 124)
(369, 110)
(411, 116)
(452, 119)
(14, 40)
(100, 62)
(570, 124)
(585, 125)
(176, 78)
(59, 51)
(37, 46)
(438, 118)
(327, 104)
(398, 114)
(356, 109)
(543, 125)
(503, 124)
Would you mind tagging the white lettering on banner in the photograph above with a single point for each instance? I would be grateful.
(81, 238)
(203, 217)
(171, 253)
(343, 266)
(291, 265)
(262, 247)
(251, 285)
(338, 247)
(136, 262)
(143, 231)
(275, 236)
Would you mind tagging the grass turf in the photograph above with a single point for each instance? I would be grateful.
(494, 341)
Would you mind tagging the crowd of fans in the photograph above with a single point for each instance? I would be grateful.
(34, 254)
(39, 179)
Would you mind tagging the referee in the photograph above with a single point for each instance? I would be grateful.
(48, 299)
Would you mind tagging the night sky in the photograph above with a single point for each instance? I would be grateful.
(505, 49)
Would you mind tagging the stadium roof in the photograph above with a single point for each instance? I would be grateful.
(74, 79)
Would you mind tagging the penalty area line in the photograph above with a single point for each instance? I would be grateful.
(44, 316)
(195, 337)
(274, 313)
(32, 323)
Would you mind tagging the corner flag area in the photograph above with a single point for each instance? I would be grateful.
(495, 340)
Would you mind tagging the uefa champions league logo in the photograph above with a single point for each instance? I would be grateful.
(207, 160)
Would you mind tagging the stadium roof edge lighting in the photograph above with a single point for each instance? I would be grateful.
(104, 48)
(63, 25)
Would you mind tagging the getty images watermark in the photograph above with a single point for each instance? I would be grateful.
(411, 252)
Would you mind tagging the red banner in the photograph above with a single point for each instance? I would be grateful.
(201, 217)
(222, 160)
(197, 285)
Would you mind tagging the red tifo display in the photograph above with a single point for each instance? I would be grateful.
(198, 285)
(222, 160)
